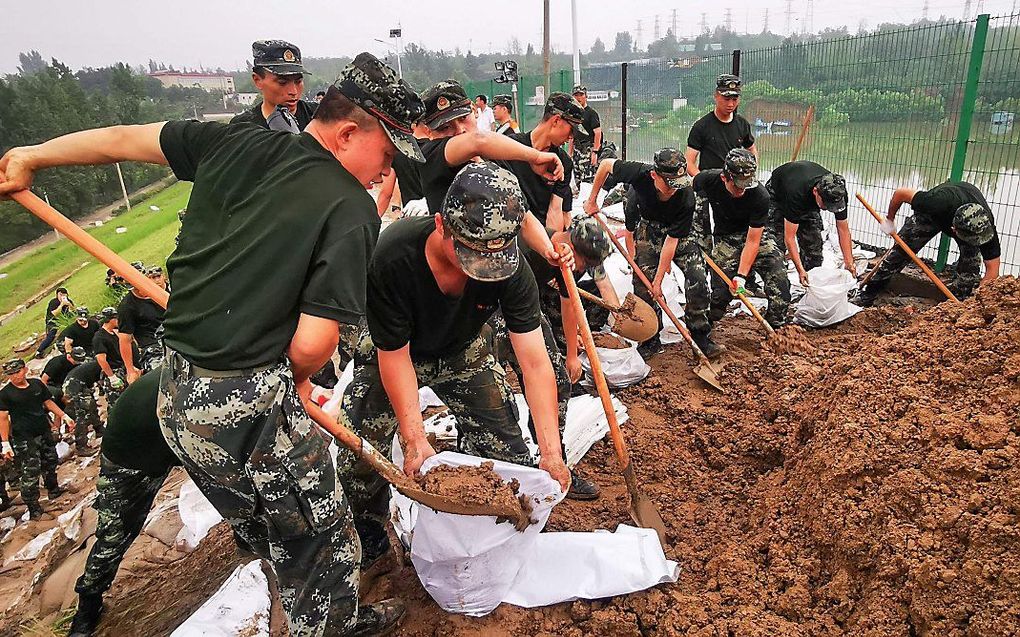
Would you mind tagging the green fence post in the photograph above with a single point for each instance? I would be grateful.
(977, 56)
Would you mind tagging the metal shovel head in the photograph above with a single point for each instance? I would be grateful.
(636, 320)
(642, 510)
(706, 373)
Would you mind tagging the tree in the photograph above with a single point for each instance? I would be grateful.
(513, 47)
(598, 49)
(624, 43)
(31, 63)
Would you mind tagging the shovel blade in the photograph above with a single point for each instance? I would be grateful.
(639, 323)
(457, 507)
(642, 511)
(706, 373)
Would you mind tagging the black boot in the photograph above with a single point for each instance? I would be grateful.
(710, 348)
(582, 489)
(86, 618)
(650, 348)
(380, 618)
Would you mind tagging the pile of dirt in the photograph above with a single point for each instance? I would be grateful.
(605, 340)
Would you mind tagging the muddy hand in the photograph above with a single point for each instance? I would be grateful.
(558, 470)
(591, 207)
(415, 454)
(574, 368)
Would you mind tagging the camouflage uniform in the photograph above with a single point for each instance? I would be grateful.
(82, 407)
(809, 236)
(550, 297)
(471, 383)
(252, 449)
(770, 264)
(124, 498)
(150, 357)
(648, 240)
(35, 457)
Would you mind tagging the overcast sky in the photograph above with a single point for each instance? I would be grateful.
(218, 33)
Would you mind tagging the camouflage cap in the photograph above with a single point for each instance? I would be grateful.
(728, 85)
(566, 107)
(82, 312)
(79, 354)
(375, 87)
(832, 190)
(138, 265)
(278, 56)
(155, 270)
(590, 241)
(672, 167)
(741, 166)
(444, 102)
(484, 209)
(973, 224)
(13, 366)
(579, 89)
(108, 313)
(504, 100)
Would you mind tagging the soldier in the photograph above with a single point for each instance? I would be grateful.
(590, 246)
(956, 208)
(799, 190)
(740, 209)
(719, 131)
(139, 323)
(503, 110)
(59, 305)
(134, 464)
(256, 308)
(26, 435)
(586, 144)
(80, 398)
(660, 232)
(279, 76)
(106, 345)
(81, 332)
(56, 370)
(432, 285)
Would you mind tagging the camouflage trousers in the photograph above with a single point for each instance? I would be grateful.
(503, 350)
(81, 404)
(108, 390)
(917, 231)
(648, 241)
(549, 299)
(150, 357)
(471, 383)
(251, 448)
(124, 498)
(583, 170)
(809, 236)
(770, 264)
(35, 457)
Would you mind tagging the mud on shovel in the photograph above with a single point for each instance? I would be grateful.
(637, 324)
(704, 368)
(642, 511)
(348, 438)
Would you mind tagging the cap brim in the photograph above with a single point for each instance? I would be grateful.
(745, 182)
(405, 143)
(836, 207)
(488, 266)
(445, 117)
(285, 69)
(579, 128)
(675, 180)
(730, 93)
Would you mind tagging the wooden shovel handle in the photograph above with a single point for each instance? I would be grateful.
(90, 244)
(747, 303)
(808, 117)
(910, 253)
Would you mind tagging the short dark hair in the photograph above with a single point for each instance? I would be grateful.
(335, 106)
(483, 98)
(59, 290)
(259, 70)
(322, 93)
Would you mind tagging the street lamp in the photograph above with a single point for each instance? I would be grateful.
(508, 75)
(395, 34)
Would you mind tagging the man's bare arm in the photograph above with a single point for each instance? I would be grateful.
(396, 370)
(313, 343)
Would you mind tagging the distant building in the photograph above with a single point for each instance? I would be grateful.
(212, 82)
(246, 99)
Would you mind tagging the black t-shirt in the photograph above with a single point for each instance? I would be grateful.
(591, 121)
(790, 187)
(140, 318)
(538, 193)
(545, 272)
(409, 176)
(80, 336)
(51, 320)
(713, 139)
(940, 203)
(133, 439)
(27, 408)
(732, 214)
(57, 369)
(303, 115)
(275, 227)
(436, 174)
(507, 128)
(88, 373)
(106, 343)
(405, 304)
(676, 214)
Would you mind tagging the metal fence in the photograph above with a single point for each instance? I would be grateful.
(910, 107)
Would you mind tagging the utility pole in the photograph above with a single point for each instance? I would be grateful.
(677, 35)
(637, 38)
(655, 31)
(704, 23)
(765, 27)
(729, 19)
(123, 188)
(966, 10)
(577, 50)
(545, 44)
(924, 11)
(789, 17)
(809, 17)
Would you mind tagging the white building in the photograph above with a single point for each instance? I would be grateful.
(212, 82)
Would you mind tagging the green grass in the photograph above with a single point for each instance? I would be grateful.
(149, 238)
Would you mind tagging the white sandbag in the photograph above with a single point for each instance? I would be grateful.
(427, 398)
(673, 292)
(32, 550)
(587, 424)
(621, 367)
(198, 515)
(70, 521)
(567, 566)
(415, 208)
(825, 302)
(63, 450)
(239, 607)
(619, 273)
(468, 563)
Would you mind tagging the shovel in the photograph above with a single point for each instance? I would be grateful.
(910, 253)
(743, 299)
(348, 438)
(642, 511)
(704, 369)
(637, 324)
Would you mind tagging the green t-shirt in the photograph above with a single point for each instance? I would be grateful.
(133, 439)
(275, 227)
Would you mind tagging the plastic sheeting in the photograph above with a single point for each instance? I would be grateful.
(825, 302)
(621, 367)
(198, 515)
(240, 607)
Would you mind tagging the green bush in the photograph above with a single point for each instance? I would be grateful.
(855, 105)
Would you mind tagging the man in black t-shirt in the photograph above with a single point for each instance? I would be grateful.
(26, 435)
(79, 333)
(139, 324)
(80, 398)
(279, 76)
(660, 231)
(503, 111)
(432, 285)
(262, 278)
(56, 370)
(586, 145)
(740, 210)
(799, 190)
(955, 208)
(106, 346)
(719, 131)
(60, 305)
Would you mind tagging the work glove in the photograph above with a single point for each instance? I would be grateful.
(888, 226)
(416, 208)
(116, 382)
(737, 286)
